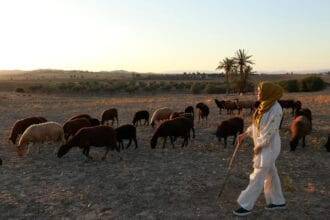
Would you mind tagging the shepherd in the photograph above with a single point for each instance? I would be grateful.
(267, 146)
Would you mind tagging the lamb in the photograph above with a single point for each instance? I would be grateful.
(327, 145)
(230, 127)
(172, 128)
(203, 111)
(97, 136)
(300, 127)
(71, 127)
(110, 114)
(39, 133)
(126, 132)
(220, 104)
(21, 125)
(160, 114)
(190, 110)
(139, 116)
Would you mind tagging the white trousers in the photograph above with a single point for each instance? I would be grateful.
(262, 178)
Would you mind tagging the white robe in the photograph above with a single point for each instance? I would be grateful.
(265, 175)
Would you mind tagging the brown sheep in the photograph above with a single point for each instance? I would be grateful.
(21, 125)
(40, 133)
(97, 136)
(220, 104)
(245, 105)
(203, 111)
(110, 114)
(80, 116)
(230, 106)
(230, 127)
(300, 127)
(176, 114)
(139, 116)
(172, 128)
(71, 127)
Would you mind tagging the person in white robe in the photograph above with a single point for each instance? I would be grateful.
(264, 131)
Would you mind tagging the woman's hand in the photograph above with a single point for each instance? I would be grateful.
(241, 138)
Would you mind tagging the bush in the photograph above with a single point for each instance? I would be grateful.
(312, 83)
(214, 89)
(290, 85)
(20, 90)
(197, 88)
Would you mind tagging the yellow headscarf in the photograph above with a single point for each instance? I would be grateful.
(269, 94)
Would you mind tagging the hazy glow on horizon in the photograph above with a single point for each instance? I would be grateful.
(159, 35)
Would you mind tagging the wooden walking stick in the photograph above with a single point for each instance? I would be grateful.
(229, 169)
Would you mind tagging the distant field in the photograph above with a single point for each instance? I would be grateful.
(154, 183)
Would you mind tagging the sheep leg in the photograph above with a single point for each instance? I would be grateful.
(164, 142)
(135, 142)
(303, 142)
(86, 153)
(172, 142)
(193, 129)
(225, 139)
(234, 139)
(129, 143)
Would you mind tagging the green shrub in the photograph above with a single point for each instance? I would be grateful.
(290, 85)
(312, 83)
(214, 89)
(197, 88)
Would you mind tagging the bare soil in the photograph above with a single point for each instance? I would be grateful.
(179, 183)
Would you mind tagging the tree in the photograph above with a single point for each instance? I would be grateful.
(228, 65)
(243, 63)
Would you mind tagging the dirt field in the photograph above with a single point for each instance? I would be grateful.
(154, 183)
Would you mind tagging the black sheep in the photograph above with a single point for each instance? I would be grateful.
(98, 136)
(190, 110)
(230, 127)
(141, 115)
(126, 132)
(220, 104)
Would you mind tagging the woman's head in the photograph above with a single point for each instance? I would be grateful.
(269, 91)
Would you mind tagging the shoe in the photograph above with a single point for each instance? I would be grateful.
(241, 212)
(275, 207)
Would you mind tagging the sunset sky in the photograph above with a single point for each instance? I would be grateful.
(163, 35)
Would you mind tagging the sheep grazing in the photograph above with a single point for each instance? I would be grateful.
(71, 127)
(300, 127)
(245, 105)
(126, 132)
(80, 116)
(97, 136)
(230, 127)
(39, 133)
(139, 116)
(110, 114)
(230, 106)
(176, 115)
(172, 128)
(21, 125)
(190, 110)
(220, 104)
(290, 103)
(203, 111)
(327, 145)
(159, 115)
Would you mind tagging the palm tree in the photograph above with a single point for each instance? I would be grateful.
(228, 65)
(243, 62)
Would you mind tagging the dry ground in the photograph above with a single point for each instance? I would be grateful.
(159, 183)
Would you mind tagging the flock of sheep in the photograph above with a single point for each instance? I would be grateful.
(83, 131)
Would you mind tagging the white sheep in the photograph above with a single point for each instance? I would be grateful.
(40, 133)
(160, 114)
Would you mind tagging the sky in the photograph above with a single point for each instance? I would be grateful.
(163, 35)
